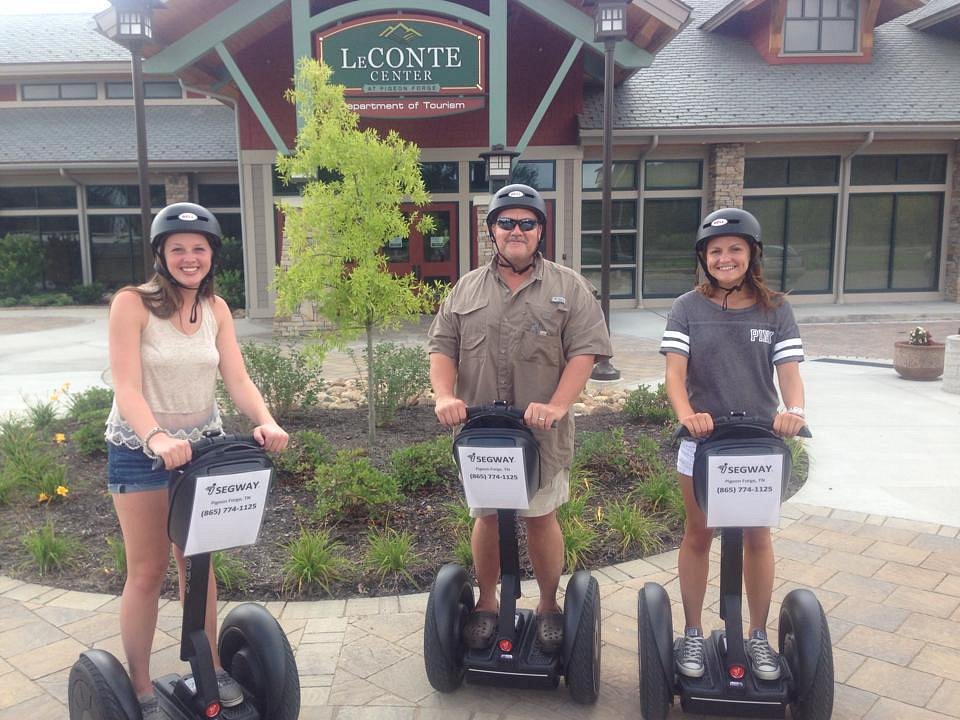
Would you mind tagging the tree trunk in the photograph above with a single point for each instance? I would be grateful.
(371, 395)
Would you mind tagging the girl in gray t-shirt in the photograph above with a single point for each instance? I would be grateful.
(723, 343)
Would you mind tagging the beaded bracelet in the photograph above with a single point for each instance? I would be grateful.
(150, 433)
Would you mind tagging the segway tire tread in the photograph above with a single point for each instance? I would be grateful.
(288, 704)
(86, 671)
(655, 693)
(443, 674)
(580, 668)
(818, 702)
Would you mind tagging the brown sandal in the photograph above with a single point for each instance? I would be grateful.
(479, 629)
(550, 631)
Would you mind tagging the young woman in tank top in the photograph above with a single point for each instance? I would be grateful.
(168, 338)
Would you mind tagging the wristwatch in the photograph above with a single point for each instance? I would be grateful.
(798, 411)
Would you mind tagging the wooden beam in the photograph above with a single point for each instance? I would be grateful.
(777, 16)
(646, 33)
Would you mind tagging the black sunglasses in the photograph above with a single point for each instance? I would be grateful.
(527, 224)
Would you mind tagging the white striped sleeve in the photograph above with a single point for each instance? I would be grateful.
(790, 349)
(674, 341)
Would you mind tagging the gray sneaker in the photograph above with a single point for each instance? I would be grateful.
(688, 653)
(764, 661)
(231, 694)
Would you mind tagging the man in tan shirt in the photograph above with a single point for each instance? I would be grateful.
(528, 331)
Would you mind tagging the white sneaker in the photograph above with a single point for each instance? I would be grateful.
(763, 660)
(688, 653)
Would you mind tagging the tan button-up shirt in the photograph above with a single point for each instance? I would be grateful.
(515, 346)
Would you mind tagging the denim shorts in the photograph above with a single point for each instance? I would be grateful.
(129, 471)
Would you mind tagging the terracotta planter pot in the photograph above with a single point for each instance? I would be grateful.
(918, 362)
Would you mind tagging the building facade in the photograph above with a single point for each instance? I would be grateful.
(837, 122)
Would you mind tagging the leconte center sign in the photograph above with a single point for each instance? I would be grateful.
(406, 65)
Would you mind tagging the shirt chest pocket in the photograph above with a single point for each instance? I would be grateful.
(472, 321)
(540, 339)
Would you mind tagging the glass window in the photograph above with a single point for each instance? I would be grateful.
(219, 195)
(162, 90)
(893, 241)
(78, 91)
(230, 226)
(59, 238)
(669, 231)
(478, 177)
(623, 249)
(440, 177)
(623, 214)
(105, 196)
(116, 249)
(538, 174)
(56, 196)
(40, 92)
(623, 175)
(791, 171)
(672, 174)
(798, 240)
(898, 169)
(622, 281)
(820, 26)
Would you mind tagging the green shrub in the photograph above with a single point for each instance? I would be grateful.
(798, 459)
(661, 492)
(47, 299)
(314, 560)
(391, 553)
(458, 519)
(118, 554)
(28, 463)
(463, 551)
(9, 302)
(228, 570)
(94, 398)
(424, 463)
(401, 373)
(230, 286)
(649, 405)
(350, 485)
(306, 450)
(576, 507)
(578, 539)
(21, 264)
(89, 434)
(631, 526)
(604, 453)
(50, 551)
(286, 379)
(41, 414)
(92, 294)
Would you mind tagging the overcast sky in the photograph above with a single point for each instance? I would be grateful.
(32, 7)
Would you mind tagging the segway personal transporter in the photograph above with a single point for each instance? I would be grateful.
(499, 462)
(216, 502)
(739, 476)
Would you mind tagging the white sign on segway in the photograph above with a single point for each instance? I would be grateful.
(744, 490)
(494, 477)
(227, 511)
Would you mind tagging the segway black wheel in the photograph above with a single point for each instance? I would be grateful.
(655, 684)
(582, 670)
(256, 653)
(449, 603)
(804, 639)
(100, 689)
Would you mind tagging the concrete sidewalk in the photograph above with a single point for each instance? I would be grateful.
(874, 533)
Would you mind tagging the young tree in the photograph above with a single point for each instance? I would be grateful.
(335, 239)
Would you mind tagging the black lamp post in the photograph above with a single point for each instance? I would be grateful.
(610, 25)
(129, 23)
(499, 166)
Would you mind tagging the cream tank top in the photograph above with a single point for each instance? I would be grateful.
(179, 379)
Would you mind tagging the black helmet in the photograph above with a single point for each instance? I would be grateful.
(184, 217)
(517, 196)
(729, 221)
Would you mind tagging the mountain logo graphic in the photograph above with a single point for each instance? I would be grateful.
(400, 31)
(210, 488)
(472, 457)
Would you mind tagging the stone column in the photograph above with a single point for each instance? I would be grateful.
(484, 244)
(725, 177)
(951, 281)
(177, 188)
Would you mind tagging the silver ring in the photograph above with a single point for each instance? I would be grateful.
(541, 418)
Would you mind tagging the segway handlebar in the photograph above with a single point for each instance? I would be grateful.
(499, 407)
(758, 423)
(198, 447)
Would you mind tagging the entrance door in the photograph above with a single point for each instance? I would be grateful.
(431, 255)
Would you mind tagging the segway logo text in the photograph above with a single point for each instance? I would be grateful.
(726, 468)
(230, 489)
(488, 458)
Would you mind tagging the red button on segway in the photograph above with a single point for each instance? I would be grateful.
(213, 709)
(505, 645)
(737, 671)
